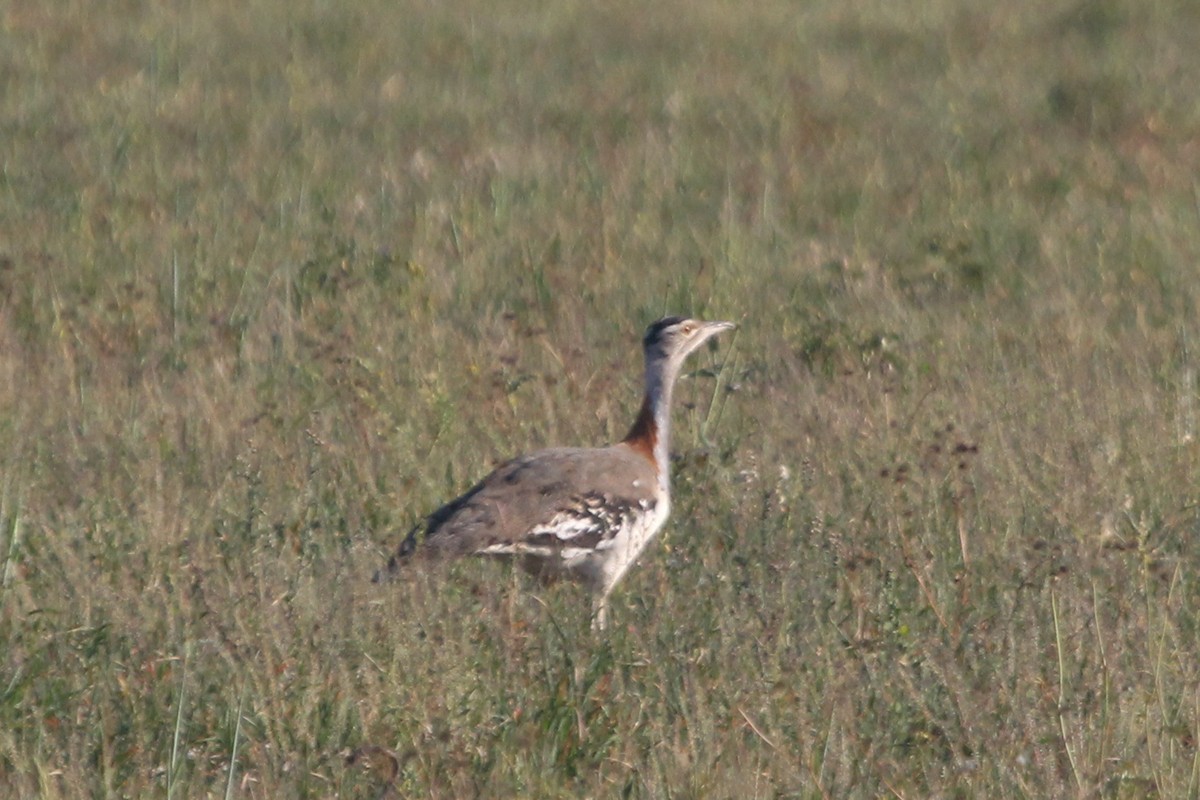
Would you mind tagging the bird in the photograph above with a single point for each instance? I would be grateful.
(585, 514)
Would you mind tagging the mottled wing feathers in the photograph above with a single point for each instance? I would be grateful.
(562, 501)
(585, 524)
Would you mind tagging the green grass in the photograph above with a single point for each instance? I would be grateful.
(278, 278)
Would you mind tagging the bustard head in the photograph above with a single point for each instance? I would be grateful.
(672, 339)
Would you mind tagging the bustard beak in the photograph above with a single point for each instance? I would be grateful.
(705, 331)
(710, 329)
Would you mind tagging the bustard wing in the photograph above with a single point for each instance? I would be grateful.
(552, 502)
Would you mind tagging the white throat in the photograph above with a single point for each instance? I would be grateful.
(660, 384)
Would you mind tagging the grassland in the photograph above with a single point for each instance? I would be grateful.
(276, 278)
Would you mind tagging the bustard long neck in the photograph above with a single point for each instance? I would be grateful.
(651, 431)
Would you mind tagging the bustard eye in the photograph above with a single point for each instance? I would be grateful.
(687, 329)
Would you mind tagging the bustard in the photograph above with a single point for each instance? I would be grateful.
(583, 513)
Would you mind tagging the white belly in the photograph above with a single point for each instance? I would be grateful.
(613, 558)
(600, 566)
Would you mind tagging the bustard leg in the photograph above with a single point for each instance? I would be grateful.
(600, 613)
